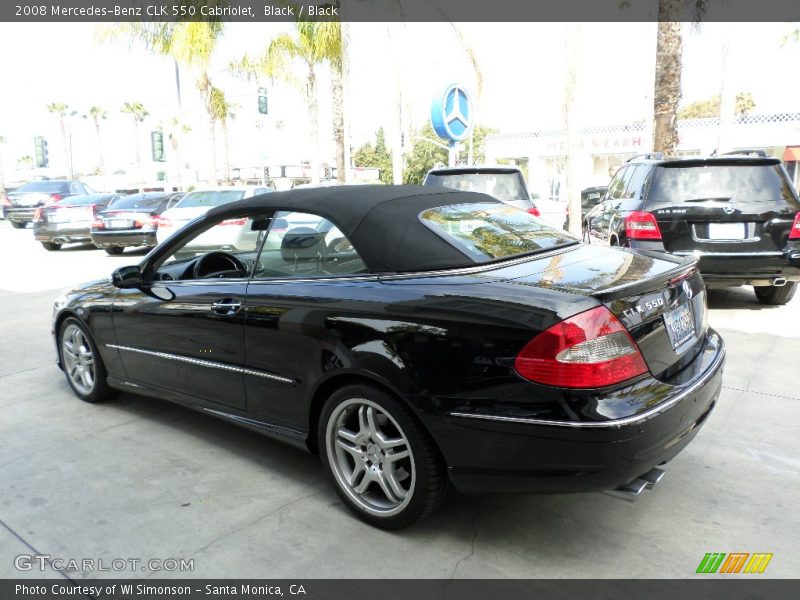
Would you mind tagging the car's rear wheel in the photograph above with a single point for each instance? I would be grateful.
(384, 465)
(51, 246)
(775, 295)
(85, 371)
(114, 250)
(18, 224)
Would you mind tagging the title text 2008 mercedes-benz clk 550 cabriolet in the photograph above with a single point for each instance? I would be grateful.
(415, 338)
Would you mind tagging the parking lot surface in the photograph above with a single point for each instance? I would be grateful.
(143, 479)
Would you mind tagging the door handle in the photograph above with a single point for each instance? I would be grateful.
(228, 306)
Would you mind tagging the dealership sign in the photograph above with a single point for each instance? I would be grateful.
(452, 114)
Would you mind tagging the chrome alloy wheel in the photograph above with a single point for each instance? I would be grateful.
(370, 457)
(78, 359)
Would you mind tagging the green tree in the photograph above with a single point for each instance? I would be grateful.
(138, 114)
(425, 155)
(312, 44)
(97, 114)
(191, 45)
(709, 107)
(61, 110)
(375, 156)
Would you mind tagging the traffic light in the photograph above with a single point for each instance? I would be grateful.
(157, 146)
(262, 101)
(40, 150)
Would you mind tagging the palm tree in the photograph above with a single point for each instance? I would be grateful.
(314, 44)
(189, 44)
(175, 132)
(62, 110)
(138, 114)
(223, 112)
(97, 114)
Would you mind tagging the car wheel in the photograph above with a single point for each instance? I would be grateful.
(114, 250)
(51, 246)
(18, 225)
(384, 465)
(82, 364)
(776, 295)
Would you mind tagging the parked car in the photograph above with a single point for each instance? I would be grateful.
(416, 338)
(198, 203)
(506, 183)
(69, 220)
(590, 197)
(738, 215)
(24, 201)
(131, 221)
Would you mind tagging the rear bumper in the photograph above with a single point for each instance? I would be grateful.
(501, 454)
(121, 239)
(19, 214)
(50, 233)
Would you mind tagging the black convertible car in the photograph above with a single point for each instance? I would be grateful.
(416, 338)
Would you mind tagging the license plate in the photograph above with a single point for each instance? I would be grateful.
(680, 325)
(120, 224)
(726, 231)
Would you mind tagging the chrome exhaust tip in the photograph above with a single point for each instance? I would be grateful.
(631, 491)
(59, 240)
(779, 281)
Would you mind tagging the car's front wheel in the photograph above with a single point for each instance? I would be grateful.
(85, 371)
(776, 295)
(384, 465)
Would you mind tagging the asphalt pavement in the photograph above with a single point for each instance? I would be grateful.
(141, 479)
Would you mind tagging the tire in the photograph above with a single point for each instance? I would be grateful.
(371, 420)
(18, 224)
(51, 246)
(776, 296)
(114, 250)
(87, 380)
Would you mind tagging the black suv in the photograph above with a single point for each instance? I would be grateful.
(738, 214)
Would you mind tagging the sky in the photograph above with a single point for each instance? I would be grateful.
(523, 66)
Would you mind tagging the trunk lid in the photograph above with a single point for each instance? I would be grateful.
(729, 206)
(661, 300)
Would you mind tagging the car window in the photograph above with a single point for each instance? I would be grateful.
(302, 245)
(210, 198)
(617, 186)
(138, 201)
(490, 231)
(501, 185)
(635, 181)
(43, 187)
(83, 200)
(751, 182)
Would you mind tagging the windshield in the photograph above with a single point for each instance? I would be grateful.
(82, 200)
(503, 186)
(211, 198)
(750, 182)
(489, 231)
(43, 187)
(138, 201)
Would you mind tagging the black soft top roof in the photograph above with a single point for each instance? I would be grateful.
(381, 221)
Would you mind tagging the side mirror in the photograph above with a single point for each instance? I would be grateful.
(127, 277)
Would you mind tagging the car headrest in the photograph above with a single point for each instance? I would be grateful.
(303, 243)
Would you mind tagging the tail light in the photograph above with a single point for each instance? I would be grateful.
(534, 211)
(4, 200)
(53, 199)
(794, 234)
(241, 221)
(642, 226)
(98, 224)
(160, 221)
(589, 350)
(37, 215)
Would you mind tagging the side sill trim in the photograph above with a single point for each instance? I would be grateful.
(612, 423)
(203, 363)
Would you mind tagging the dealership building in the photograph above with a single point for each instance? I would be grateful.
(600, 150)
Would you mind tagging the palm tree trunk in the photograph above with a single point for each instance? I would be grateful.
(212, 155)
(226, 150)
(138, 149)
(65, 141)
(100, 150)
(667, 92)
(313, 109)
(344, 28)
(176, 154)
(571, 186)
(338, 121)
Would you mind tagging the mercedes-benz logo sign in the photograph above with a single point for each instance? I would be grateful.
(729, 210)
(451, 114)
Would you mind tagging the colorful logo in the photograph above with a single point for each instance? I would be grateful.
(736, 562)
